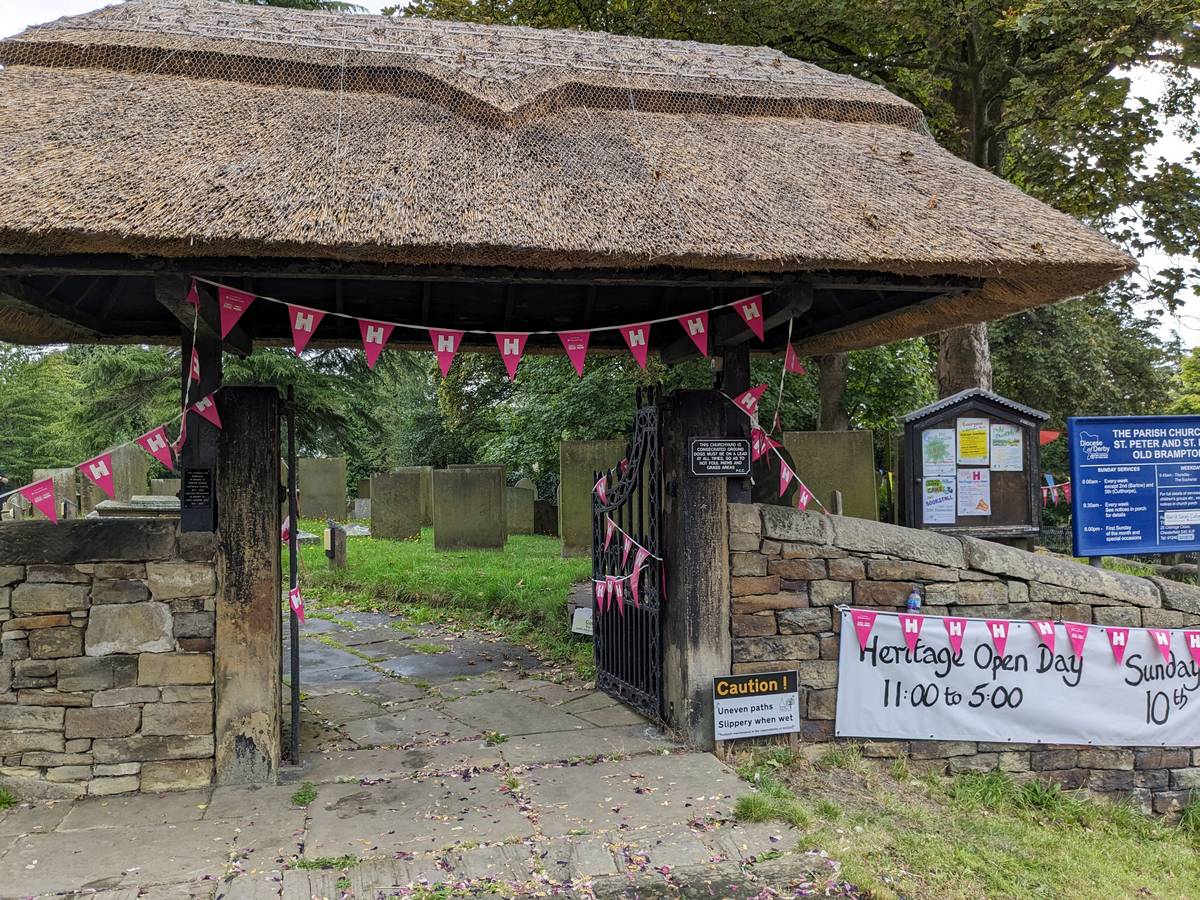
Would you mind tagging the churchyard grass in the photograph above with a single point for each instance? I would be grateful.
(520, 591)
(6, 799)
(973, 835)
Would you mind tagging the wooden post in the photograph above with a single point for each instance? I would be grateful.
(198, 457)
(247, 663)
(735, 378)
(696, 639)
(336, 552)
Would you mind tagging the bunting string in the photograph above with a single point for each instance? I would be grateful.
(611, 523)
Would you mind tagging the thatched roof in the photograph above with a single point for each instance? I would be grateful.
(189, 128)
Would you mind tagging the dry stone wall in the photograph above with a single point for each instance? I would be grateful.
(106, 658)
(790, 570)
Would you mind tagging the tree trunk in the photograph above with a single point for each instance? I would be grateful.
(964, 360)
(831, 385)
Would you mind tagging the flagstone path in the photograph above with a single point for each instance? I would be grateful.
(436, 759)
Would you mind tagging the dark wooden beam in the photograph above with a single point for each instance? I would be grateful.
(171, 292)
(18, 294)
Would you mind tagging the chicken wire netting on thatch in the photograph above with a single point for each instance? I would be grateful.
(302, 127)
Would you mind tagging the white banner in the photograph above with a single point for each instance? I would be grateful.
(1025, 694)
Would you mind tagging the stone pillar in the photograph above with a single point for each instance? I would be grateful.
(696, 642)
(248, 588)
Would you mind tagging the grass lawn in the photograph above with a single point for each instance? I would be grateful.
(520, 590)
(971, 836)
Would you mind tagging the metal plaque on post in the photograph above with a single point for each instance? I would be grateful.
(729, 457)
(196, 492)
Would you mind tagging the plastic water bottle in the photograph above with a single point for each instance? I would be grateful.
(914, 600)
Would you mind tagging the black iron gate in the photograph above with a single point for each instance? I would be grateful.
(627, 636)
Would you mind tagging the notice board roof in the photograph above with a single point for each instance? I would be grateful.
(962, 397)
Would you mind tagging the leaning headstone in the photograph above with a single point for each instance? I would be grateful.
(545, 517)
(577, 460)
(828, 461)
(130, 467)
(64, 491)
(520, 509)
(396, 506)
(469, 508)
(322, 487)
(426, 473)
(164, 487)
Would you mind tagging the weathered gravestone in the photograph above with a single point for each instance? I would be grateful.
(364, 489)
(469, 508)
(396, 506)
(828, 461)
(322, 487)
(520, 509)
(164, 487)
(577, 460)
(426, 473)
(130, 468)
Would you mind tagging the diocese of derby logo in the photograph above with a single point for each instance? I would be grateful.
(1093, 446)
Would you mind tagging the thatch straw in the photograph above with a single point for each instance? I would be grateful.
(189, 128)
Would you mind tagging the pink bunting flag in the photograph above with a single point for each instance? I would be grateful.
(619, 589)
(1078, 635)
(623, 465)
(637, 338)
(1162, 640)
(610, 528)
(1192, 639)
(177, 444)
(998, 630)
(751, 312)
(512, 347)
(864, 621)
(1045, 631)
(157, 444)
(193, 295)
(1066, 492)
(803, 497)
(206, 408)
(626, 547)
(445, 345)
(41, 495)
(639, 560)
(610, 588)
(599, 591)
(758, 445)
(304, 323)
(285, 530)
(601, 488)
(696, 326)
(910, 627)
(785, 477)
(956, 629)
(232, 304)
(747, 401)
(791, 362)
(374, 336)
(297, 603)
(576, 344)
(194, 371)
(98, 470)
(1118, 639)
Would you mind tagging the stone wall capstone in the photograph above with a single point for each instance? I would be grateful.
(106, 659)
(789, 570)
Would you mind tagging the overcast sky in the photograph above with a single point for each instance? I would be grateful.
(16, 15)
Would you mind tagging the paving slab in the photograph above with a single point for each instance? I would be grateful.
(341, 708)
(430, 814)
(34, 818)
(613, 715)
(533, 749)
(366, 619)
(467, 656)
(673, 847)
(589, 701)
(374, 765)
(642, 792)
(508, 862)
(316, 655)
(372, 635)
(749, 840)
(579, 857)
(321, 682)
(556, 694)
(390, 690)
(512, 714)
(465, 685)
(417, 724)
(250, 802)
(136, 810)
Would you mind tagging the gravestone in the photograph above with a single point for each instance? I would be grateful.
(828, 461)
(396, 506)
(130, 471)
(322, 487)
(64, 491)
(469, 508)
(164, 487)
(520, 509)
(426, 473)
(364, 489)
(361, 511)
(577, 460)
(527, 483)
(545, 517)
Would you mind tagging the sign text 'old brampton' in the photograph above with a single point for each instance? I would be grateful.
(980, 680)
(756, 705)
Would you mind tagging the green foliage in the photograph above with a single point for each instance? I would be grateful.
(326, 862)
(306, 794)
(38, 393)
(7, 799)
